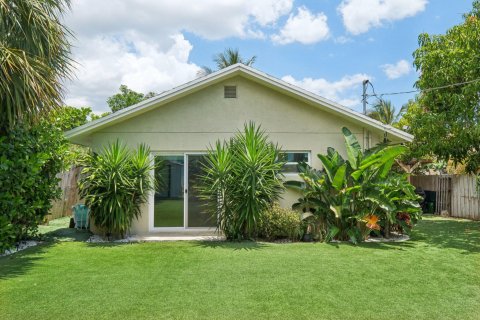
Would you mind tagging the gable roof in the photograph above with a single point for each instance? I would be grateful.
(236, 69)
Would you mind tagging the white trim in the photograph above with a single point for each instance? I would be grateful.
(254, 74)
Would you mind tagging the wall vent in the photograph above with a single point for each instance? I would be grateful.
(230, 91)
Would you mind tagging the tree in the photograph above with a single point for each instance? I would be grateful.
(384, 112)
(227, 58)
(126, 98)
(34, 59)
(67, 118)
(446, 124)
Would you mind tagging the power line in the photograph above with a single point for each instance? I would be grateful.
(379, 96)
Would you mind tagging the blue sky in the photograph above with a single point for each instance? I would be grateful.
(325, 46)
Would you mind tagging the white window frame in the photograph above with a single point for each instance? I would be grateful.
(309, 162)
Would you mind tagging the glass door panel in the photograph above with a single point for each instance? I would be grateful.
(197, 215)
(169, 195)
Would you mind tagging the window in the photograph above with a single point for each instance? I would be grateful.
(230, 91)
(292, 159)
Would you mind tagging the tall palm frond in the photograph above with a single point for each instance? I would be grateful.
(225, 59)
(384, 112)
(34, 58)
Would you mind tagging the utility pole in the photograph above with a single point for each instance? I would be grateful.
(364, 95)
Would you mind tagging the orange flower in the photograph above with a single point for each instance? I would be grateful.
(371, 221)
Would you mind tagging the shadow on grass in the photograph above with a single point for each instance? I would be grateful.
(21, 262)
(242, 245)
(67, 234)
(449, 233)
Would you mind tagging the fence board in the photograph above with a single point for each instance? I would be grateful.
(69, 196)
(465, 200)
(456, 194)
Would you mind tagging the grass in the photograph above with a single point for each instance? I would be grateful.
(433, 276)
(58, 230)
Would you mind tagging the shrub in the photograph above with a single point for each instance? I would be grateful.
(279, 223)
(240, 180)
(30, 158)
(115, 183)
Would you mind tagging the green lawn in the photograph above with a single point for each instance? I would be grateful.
(436, 275)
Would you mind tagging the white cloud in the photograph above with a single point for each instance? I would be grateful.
(304, 27)
(140, 43)
(211, 19)
(106, 62)
(359, 16)
(394, 71)
(344, 91)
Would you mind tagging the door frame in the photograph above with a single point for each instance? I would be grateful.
(151, 201)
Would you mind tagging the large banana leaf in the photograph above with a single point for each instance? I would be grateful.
(353, 147)
(384, 158)
(339, 178)
(295, 185)
(328, 166)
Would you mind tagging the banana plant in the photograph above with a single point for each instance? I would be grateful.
(353, 188)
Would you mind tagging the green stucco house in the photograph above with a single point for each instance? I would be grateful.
(180, 124)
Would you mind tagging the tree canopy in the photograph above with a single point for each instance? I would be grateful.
(126, 98)
(446, 120)
(34, 58)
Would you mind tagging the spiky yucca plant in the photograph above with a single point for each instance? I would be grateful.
(115, 183)
(240, 180)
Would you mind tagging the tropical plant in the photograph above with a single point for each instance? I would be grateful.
(34, 58)
(126, 98)
(279, 223)
(225, 59)
(349, 196)
(115, 183)
(240, 180)
(384, 112)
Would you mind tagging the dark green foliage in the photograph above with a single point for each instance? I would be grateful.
(115, 183)
(67, 118)
(30, 158)
(240, 180)
(279, 223)
(126, 98)
(446, 121)
(348, 197)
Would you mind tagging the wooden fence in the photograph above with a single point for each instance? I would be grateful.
(68, 185)
(455, 194)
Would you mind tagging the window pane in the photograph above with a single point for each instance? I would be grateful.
(168, 208)
(292, 159)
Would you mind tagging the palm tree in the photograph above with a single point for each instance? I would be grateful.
(34, 58)
(227, 58)
(384, 112)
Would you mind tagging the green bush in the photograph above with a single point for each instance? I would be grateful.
(279, 223)
(115, 183)
(30, 158)
(240, 179)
